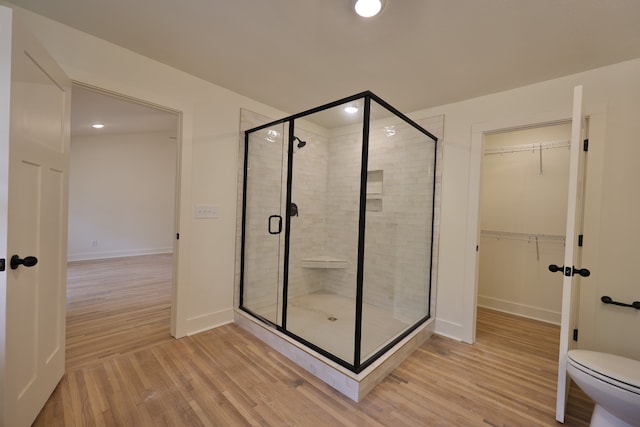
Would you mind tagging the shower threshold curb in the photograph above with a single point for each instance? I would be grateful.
(354, 386)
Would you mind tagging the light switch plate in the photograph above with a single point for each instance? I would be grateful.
(206, 211)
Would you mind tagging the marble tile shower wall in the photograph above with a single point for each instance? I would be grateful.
(408, 200)
(326, 181)
(397, 250)
(397, 242)
(266, 190)
(309, 192)
(263, 250)
(343, 207)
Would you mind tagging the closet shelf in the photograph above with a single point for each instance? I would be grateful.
(527, 147)
(528, 237)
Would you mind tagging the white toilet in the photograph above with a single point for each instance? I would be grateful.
(613, 382)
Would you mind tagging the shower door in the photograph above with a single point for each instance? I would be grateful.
(324, 232)
(263, 223)
(313, 185)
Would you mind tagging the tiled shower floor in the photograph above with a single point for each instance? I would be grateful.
(328, 321)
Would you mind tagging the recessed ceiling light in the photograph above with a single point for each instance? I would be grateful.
(351, 109)
(368, 8)
(97, 125)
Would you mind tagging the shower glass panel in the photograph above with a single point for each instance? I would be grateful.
(324, 232)
(399, 212)
(338, 228)
(263, 228)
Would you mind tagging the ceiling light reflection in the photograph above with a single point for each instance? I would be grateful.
(272, 135)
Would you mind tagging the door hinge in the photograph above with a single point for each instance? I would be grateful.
(585, 145)
(177, 236)
(2, 264)
(575, 334)
(580, 238)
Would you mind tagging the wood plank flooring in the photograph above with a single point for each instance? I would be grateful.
(226, 377)
(117, 305)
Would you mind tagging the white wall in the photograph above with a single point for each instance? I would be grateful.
(210, 122)
(207, 170)
(612, 203)
(121, 195)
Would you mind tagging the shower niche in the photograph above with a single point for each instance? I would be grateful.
(337, 238)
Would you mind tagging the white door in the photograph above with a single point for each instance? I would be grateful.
(570, 284)
(35, 100)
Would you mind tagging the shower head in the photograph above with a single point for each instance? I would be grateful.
(301, 143)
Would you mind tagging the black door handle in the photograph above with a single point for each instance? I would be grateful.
(554, 268)
(581, 271)
(16, 261)
(569, 271)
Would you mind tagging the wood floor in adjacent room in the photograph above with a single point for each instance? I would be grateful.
(124, 370)
(116, 306)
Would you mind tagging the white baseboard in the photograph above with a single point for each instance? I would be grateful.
(449, 329)
(117, 254)
(208, 321)
(536, 313)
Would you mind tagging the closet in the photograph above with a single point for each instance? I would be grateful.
(523, 214)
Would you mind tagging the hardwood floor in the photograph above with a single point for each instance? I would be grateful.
(115, 306)
(227, 377)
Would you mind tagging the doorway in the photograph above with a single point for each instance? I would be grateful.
(122, 222)
(524, 189)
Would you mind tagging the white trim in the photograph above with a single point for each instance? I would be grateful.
(182, 201)
(6, 31)
(470, 285)
(118, 254)
(449, 329)
(522, 310)
(204, 322)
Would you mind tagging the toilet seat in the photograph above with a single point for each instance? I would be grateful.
(618, 371)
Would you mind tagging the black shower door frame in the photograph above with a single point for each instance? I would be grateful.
(358, 365)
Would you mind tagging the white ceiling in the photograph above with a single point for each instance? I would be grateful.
(116, 114)
(298, 54)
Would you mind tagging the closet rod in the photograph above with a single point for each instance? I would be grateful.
(528, 237)
(527, 147)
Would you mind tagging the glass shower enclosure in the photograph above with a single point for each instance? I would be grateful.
(337, 227)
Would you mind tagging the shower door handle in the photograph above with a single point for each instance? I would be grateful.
(279, 230)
